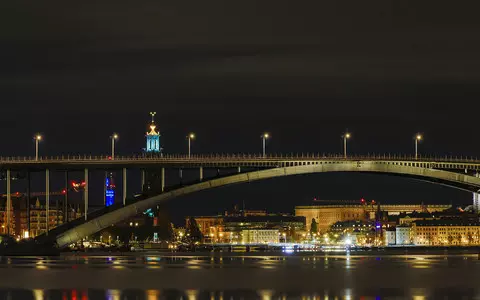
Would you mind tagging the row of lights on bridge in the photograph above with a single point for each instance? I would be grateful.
(191, 136)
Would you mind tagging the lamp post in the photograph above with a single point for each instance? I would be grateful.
(190, 137)
(113, 137)
(37, 138)
(265, 137)
(418, 138)
(346, 136)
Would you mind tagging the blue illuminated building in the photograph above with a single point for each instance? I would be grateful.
(109, 190)
(153, 137)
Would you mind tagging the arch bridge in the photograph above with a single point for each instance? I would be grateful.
(461, 173)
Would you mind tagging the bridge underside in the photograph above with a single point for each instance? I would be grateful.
(70, 234)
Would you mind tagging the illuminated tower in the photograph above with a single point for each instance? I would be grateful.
(109, 189)
(153, 137)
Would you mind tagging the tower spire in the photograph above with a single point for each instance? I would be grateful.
(153, 113)
(153, 136)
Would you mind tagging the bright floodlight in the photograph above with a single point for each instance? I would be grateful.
(347, 135)
(419, 137)
(38, 137)
(191, 135)
(266, 135)
(115, 136)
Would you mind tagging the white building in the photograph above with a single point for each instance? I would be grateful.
(403, 235)
(260, 236)
(390, 237)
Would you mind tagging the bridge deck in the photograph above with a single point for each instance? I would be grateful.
(233, 160)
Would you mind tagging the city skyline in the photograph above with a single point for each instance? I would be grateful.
(303, 74)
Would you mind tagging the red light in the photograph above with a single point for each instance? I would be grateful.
(362, 200)
(109, 158)
(17, 193)
(64, 191)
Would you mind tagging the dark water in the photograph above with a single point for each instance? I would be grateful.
(236, 276)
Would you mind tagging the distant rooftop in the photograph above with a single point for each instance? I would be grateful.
(445, 223)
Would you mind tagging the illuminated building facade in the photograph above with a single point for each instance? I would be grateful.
(445, 233)
(327, 215)
(153, 137)
(230, 228)
(403, 235)
(38, 219)
(109, 190)
(260, 236)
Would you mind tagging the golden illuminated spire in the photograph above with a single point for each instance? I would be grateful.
(152, 125)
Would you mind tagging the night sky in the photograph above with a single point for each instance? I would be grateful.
(303, 71)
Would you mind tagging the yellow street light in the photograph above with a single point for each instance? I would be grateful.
(113, 137)
(265, 137)
(37, 139)
(346, 136)
(418, 138)
(190, 137)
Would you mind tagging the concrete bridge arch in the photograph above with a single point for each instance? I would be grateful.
(456, 180)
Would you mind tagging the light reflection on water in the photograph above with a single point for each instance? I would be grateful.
(265, 294)
(223, 276)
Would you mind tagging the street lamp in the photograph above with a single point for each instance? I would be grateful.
(37, 139)
(346, 136)
(265, 137)
(113, 138)
(418, 138)
(190, 137)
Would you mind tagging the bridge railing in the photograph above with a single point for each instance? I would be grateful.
(231, 157)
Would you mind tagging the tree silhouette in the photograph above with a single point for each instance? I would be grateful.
(193, 231)
(313, 227)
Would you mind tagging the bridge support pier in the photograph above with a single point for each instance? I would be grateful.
(65, 204)
(28, 202)
(201, 173)
(476, 198)
(124, 186)
(9, 201)
(162, 179)
(239, 170)
(47, 200)
(85, 194)
(143, 180)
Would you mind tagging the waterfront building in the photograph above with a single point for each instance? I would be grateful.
(327, 215)
(403, 235)
(260, 236)
(38, 218)
(356, 232)
(390, 236)
(407, 219)
(229, 227)
(445, 232)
